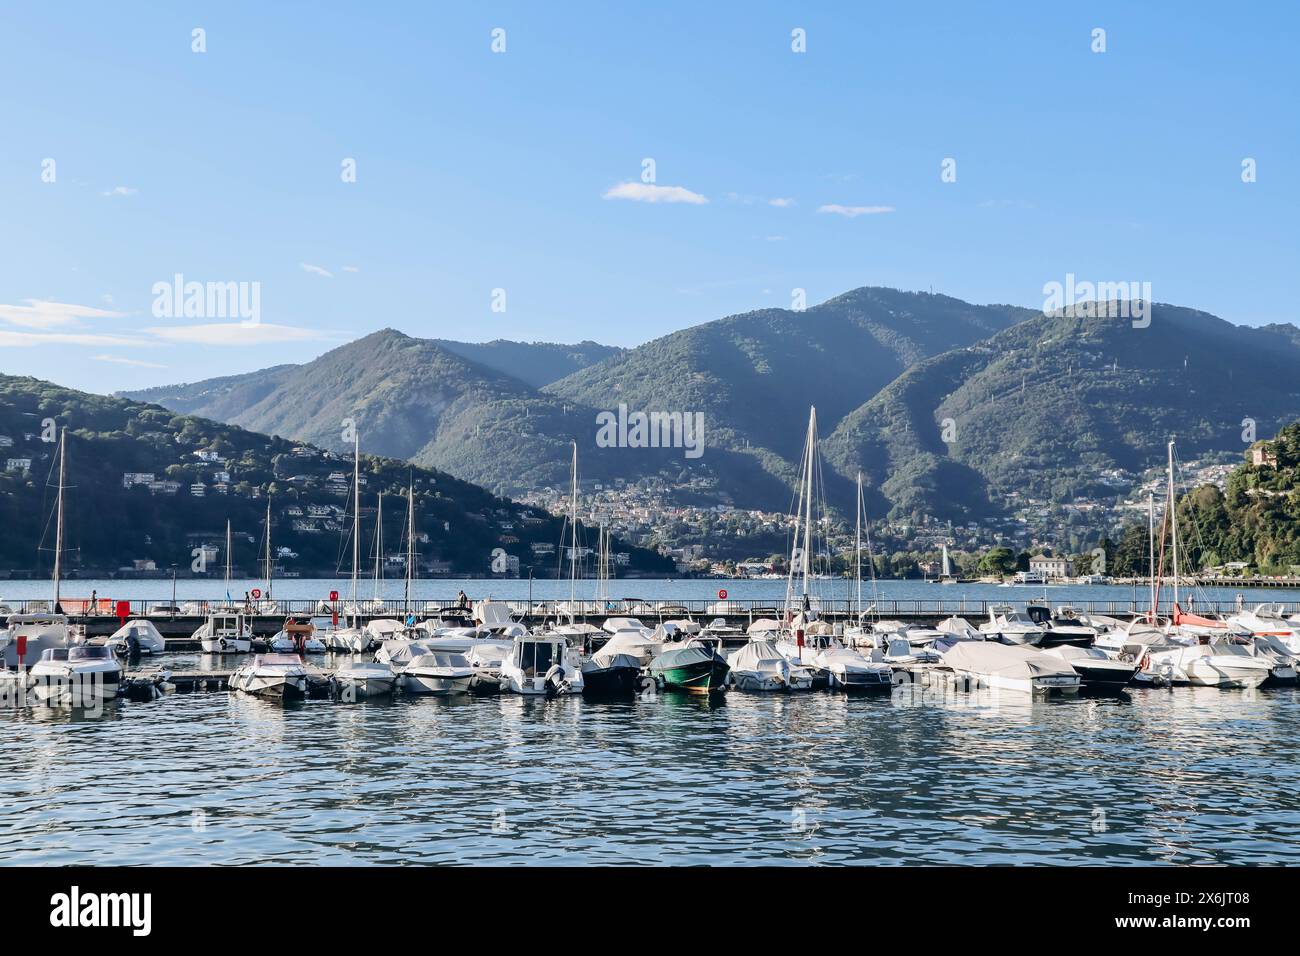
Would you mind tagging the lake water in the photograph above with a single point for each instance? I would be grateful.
(648, 589)
(1192, 775)
(1188, 775)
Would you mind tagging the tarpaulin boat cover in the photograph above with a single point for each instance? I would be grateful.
(489, 612)
(628, 643)
(764, 624)
(755, 655)
(1014, 661)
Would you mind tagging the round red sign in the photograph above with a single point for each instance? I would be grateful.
(722, 594)
(256, 592)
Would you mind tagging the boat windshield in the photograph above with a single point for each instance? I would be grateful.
(536, 657)
(89, 653)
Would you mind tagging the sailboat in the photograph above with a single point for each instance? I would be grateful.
(946, 576)
(807, 644)
(380, 629)
(1189, 654)
(38, 632)
(226, 631)
(352, 639)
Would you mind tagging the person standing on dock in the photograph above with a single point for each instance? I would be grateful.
(462, 600)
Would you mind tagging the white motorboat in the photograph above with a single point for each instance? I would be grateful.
(441, 673)
(137, 636)
(225, 632)
(1098, 671)
(1010, 626)
(847, 670)
(297, 637)
(542, 663)
(1266, 621)
(759, 667)
(347, 640)
(382, 629)
(1061, 626)
(271, 676)
(1208, 665)
(957, 629)
(1014, 667)
(487, 658)
(400, 651)
(76, 676)
(365, 679)
(615, 624)
(41, 632)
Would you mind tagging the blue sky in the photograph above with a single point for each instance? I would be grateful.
(478, 171)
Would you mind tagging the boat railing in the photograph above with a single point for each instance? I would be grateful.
(650, 611)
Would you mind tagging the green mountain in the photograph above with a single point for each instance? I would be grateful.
(533, 363)
(1052, 407)
(751, 377)
(165, 458)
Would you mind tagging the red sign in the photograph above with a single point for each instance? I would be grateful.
(334, 595)
(123, 611)
(722, 594)
(257, 593)
(22, 648)
(335, 616)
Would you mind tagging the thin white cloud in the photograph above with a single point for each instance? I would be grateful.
(649, 192)
(775, 238)
(351, 269)
(231, 333)
(852, 212)
(41, 314)
(9, 339)
(317, 270)
(121, 191)
(781, 202)
(123, 360)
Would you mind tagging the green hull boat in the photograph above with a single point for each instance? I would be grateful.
(695, 669)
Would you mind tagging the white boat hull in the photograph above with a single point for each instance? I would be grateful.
(435, 685)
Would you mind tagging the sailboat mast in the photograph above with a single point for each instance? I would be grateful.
(573, 533)
(227, 559)
(857, 553)
(268, 547)
(807, 527)
(1173, 521)
(356, 517)
(1151, 548)
(379, 540)
(58, 524)
(410, 543)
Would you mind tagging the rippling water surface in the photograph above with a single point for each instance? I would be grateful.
(1183, 776)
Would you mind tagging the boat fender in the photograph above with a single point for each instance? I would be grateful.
(221, 643)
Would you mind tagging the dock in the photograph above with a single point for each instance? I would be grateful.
(267, 618)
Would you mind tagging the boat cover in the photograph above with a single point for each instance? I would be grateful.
(489, 612)
(755, 655)
(1014, 661)
(630, 643)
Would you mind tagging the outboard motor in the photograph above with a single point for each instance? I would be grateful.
(555, 681)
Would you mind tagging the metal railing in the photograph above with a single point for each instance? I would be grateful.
(648, 610)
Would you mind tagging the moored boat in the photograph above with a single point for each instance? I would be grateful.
(1011, 667)
(76, 676)
(365, 679)
(272, 677)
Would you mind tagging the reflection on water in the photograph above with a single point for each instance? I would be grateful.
(1194, 775)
